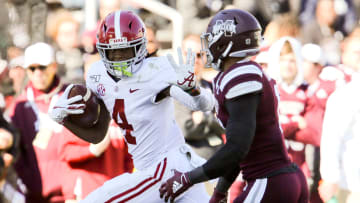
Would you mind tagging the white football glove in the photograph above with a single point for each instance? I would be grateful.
(65, 106)
(185, 78)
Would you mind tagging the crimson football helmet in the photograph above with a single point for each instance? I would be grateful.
(230, 33)
(122, 30)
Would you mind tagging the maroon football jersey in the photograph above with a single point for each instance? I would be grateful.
(267, 152)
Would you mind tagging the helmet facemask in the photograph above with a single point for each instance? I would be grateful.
(208, 42)
(126, 67)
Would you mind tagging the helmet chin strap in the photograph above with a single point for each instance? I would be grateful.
(225, 54)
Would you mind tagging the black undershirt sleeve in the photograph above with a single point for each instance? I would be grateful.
(240, 131)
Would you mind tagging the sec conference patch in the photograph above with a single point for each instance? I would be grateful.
(101, 90)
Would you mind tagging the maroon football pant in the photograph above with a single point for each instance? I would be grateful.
(283, 188)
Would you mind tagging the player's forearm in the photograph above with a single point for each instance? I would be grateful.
(205, 101)
(229, 156)
(97, 132)
(224, 184)
(240, 132)
(229, 175)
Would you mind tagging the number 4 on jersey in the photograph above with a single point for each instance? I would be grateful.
(119, 111)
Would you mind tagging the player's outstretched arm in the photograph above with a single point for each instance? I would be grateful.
(205, 101)
(240, 131)
(97, 132)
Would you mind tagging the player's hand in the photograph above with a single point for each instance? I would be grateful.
(175, 186)
(185, 77)
(65, 106)
(218, 197)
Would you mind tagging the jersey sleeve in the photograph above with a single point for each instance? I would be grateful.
(242, 80)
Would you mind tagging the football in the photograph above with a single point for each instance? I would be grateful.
(92, 109)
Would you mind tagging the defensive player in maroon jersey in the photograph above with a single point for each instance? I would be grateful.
(247, 107)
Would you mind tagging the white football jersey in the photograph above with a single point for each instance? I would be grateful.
(149, 129)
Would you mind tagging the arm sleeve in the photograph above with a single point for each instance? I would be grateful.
(240, 131)
(227, 180)
(203, 102)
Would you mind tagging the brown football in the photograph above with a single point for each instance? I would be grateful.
(92, 109)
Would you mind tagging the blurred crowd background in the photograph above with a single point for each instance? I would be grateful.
(322, 136)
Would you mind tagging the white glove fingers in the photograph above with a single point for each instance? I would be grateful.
(192, 62)
(76, 106)
(75, 111)
(75, 99)
(188, 55)
(67, 90)
(181, 61)
(172, 61)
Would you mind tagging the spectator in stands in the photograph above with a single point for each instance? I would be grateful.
(12, 189)
(64, 31)
(108, 6)
(321, 30)
(340, 141)
(350, 56)
(350, 61)
(317, 93)
(6, 89)
(153, 44)
(281, 26)
(196, 12)
(345, 10)
(285, 66)
(18, 74)
(39, 165)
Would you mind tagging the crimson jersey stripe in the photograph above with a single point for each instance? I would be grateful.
(154, 181)
(147, 187)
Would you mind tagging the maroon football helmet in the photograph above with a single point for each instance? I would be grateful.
(230, 33)
(122, 30)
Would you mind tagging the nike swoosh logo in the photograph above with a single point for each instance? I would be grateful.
(132, 91)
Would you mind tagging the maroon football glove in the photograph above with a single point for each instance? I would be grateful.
(174, 186)
(218, 197)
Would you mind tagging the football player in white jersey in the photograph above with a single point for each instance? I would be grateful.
(137, 93)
